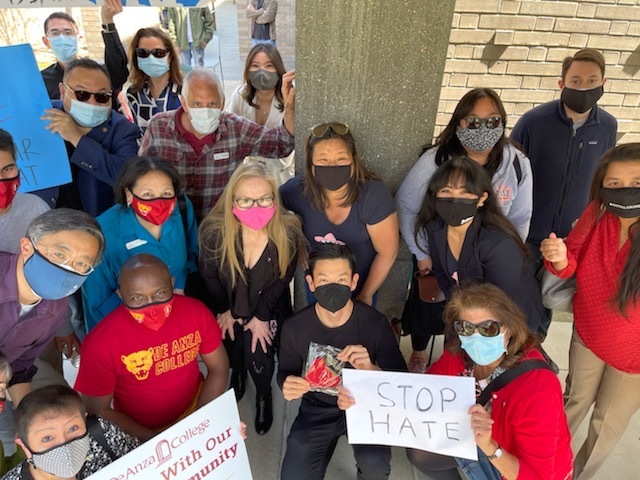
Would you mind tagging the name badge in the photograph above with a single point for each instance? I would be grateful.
(221, 156)
(134, 243)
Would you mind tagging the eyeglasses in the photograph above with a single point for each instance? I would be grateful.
(156, 52)
(63, 260)
(64, 33)
(321, 129)
(244, 202)
(488, 328)
(84, 96)
(491, 122)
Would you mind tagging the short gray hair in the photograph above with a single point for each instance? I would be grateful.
(5, 366)
(65, 220)
(206, 75)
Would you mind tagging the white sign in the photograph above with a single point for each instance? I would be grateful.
(206, 445)
(427, 412)
(98, 3)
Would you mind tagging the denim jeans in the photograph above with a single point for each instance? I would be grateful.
(198, 53)
(255, 41)
(483, 469)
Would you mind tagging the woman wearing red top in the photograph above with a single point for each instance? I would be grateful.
(603, 251)
(522, 432)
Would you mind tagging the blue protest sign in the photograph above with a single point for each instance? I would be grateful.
(41, 156)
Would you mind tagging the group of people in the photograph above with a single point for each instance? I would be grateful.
(177, 240)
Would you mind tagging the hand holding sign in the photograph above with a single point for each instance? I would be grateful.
(481, 424)
(62, 123)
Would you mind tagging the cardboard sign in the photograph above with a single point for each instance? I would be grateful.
(41, 156)
(427, 412)
(98, 3)
(206, 445)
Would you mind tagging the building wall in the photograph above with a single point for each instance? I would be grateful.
(517, 48)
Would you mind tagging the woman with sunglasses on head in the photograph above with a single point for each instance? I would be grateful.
(476, 130)
(603, 253)
(149, 217)
(340, 201)
(259, 99)
(522, 431)
(155, 75)
(471, 240)
(249, 247)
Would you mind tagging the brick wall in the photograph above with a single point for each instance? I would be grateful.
(91, 27)
(517, 48)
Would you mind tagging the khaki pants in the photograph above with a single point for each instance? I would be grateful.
(616, 396)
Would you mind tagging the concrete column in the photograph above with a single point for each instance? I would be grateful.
(376, 65)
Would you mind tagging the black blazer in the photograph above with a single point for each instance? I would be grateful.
(488, 256)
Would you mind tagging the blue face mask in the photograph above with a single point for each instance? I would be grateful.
(483, 350)
(88, 115)
(51, 281)
(64, 48)
(152, 66)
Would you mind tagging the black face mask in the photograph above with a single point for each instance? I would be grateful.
(332, 178)
(581, 101)
(456, 211)
(622, 202)
(332, 296)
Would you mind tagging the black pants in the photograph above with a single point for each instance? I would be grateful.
(434, 466)
(259, 363)
(313, 439)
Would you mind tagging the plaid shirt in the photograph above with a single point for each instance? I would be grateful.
(206, 175)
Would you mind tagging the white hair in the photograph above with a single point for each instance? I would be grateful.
(202, 74)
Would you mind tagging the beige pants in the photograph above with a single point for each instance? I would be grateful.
(616, 396)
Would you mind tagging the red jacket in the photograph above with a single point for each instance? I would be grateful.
(529, 419)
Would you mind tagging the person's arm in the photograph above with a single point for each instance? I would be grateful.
(212, 279)
(115, 57)
(173, 24)
(192, 238)
(18, 391)
(288, 96)
(271, 295)
(252, 11)
(217, 379)
(267, 15)
(207, 26)
(520, 134)
(99, 295)
(522, 204)
(290, 366)
(385, 239)
(102, 406)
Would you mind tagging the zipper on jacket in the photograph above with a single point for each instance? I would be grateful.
(557, 220)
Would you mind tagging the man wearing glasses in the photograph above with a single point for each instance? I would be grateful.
(57, 254)
(99, 141)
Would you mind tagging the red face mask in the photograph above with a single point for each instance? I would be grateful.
(152, 315)
(155, 210)
(8, 190)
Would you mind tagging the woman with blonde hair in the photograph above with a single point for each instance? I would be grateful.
(249, 246)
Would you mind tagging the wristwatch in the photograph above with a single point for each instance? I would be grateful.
(108, 27)
(496, 454)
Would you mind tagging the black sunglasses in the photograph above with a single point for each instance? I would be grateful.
(488, 328)
(156, 52)
(321, 129)
(84, 96)
(491, 122)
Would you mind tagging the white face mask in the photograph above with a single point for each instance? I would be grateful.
(204, 120)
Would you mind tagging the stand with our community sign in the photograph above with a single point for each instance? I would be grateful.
(427, 412)
(206, 445)
(41, 155)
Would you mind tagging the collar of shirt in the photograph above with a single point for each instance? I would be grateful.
(196, 144)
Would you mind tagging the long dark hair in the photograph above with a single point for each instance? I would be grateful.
(476, 180)
(629, 281)
(447, 142)
(249, 91)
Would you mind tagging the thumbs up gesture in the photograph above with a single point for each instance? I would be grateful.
(554, 250)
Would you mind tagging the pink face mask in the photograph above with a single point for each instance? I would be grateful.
(255, 217)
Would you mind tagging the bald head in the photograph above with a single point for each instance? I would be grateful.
(144, 279)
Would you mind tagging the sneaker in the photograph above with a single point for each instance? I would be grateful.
(417, 364)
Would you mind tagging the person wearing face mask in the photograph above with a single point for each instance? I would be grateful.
(59, 439)
(259, 98)
(340, 201)
(366, 342)
(249, 250)
(145, 219)
(156, 78)
(139, 365)
(476, 130)
(521, 432)
(603, 253)
(99, 140)
(470, 239)
(206, 145)
(57, 254)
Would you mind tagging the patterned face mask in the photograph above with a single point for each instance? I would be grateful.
(65, 460)
(479, 139)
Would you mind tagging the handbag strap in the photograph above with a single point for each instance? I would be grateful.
(509, 376)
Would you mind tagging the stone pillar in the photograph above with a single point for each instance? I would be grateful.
(377, 66)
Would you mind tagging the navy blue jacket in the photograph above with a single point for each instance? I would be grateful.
(95, 165)
(487, 256)
(563, 162)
